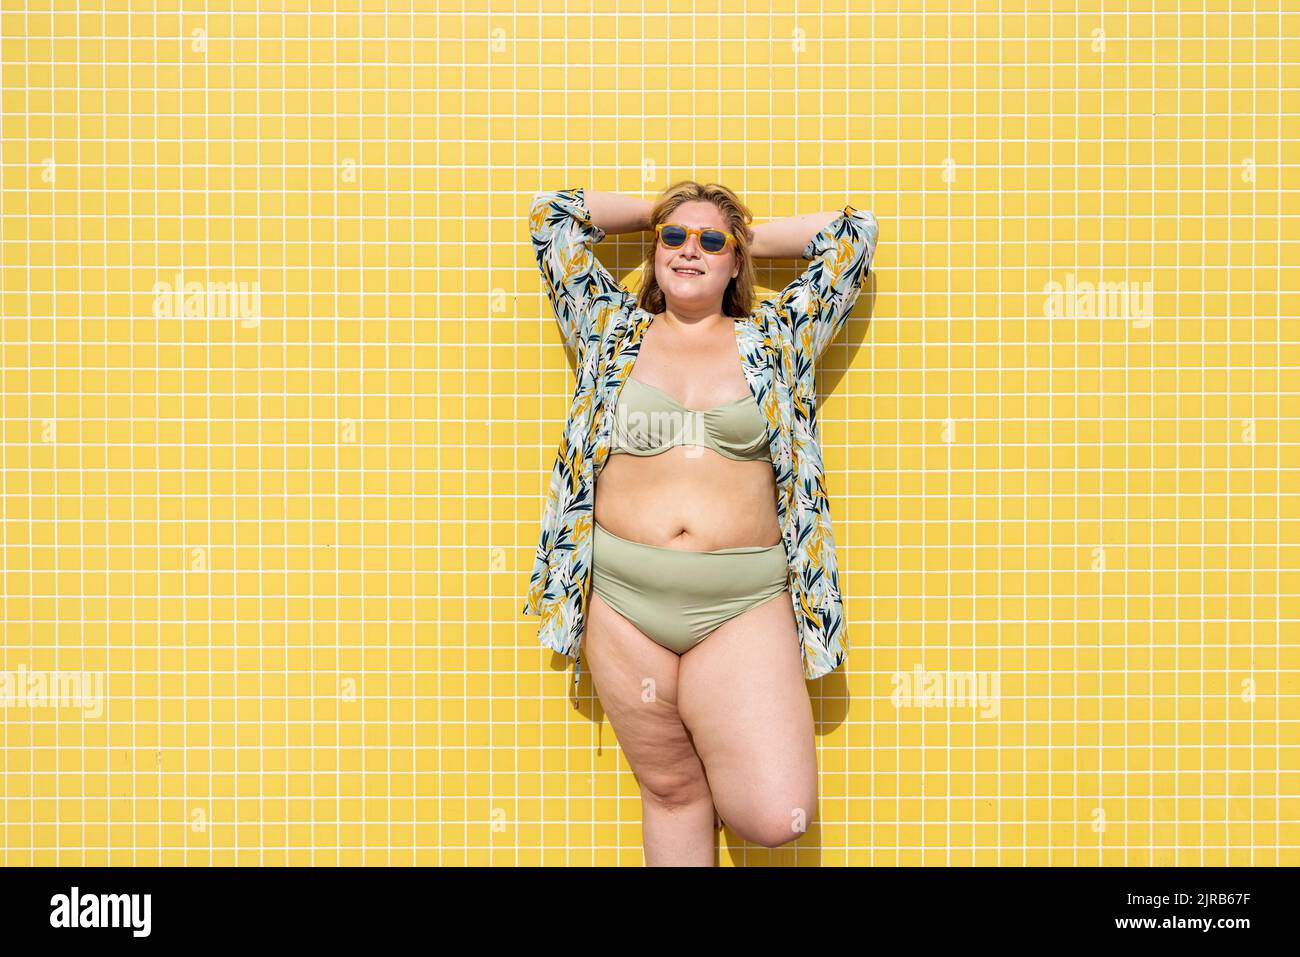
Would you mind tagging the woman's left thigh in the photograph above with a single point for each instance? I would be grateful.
(742, 696)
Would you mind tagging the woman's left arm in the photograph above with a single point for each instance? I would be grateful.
(840, 245)
(787, 238)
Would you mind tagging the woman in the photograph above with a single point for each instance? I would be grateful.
(686, 546)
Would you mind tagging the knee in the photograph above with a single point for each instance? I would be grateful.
(777, 823)
(675, 792)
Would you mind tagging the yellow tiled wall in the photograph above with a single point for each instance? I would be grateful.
(281, 394)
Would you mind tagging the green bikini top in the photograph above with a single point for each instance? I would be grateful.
(648, 421)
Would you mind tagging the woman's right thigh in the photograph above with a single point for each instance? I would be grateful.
(636, 681)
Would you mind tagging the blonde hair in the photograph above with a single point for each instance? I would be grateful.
(738, 299)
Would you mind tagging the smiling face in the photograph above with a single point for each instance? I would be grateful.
(692, 279)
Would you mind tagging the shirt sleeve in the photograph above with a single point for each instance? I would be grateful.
(582, 292)
(816, 305)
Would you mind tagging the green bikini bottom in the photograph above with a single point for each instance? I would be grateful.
(678, 597)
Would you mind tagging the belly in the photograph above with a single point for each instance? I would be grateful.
(688, 497)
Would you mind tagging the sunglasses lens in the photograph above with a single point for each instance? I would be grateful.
(672, 236)
(712, 240)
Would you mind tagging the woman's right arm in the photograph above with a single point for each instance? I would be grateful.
(582, 292)
(616, 213)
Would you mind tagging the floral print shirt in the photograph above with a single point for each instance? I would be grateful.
(779, 345)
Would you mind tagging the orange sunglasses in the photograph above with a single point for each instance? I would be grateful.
(712, 240)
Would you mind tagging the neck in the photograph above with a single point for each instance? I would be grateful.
(695, 320)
